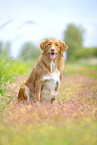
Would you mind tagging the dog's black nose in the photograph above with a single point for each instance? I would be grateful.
(52, 49)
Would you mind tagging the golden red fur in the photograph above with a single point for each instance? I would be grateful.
(44, 79)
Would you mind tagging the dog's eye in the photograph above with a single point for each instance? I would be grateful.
(49, 44)
(56, 44)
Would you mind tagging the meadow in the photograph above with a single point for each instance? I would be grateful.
(70, 120)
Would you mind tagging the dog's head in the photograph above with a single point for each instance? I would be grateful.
(53, 47)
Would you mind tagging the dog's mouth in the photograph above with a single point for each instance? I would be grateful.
(52, 55)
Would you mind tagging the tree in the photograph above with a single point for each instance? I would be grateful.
(29, 51)
(74, 39)
(5, 49)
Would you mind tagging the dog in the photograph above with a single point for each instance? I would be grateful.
(43, 82)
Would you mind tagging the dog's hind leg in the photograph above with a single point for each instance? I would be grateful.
(24, 93)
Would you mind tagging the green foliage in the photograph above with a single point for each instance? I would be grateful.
(29, 52)
(85, 69)
(73, 38)
(5, 49)
(84, 53)
(9, 69)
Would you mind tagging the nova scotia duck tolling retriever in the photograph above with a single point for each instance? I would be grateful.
(43, 82)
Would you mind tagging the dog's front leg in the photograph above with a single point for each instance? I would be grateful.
(37, 91)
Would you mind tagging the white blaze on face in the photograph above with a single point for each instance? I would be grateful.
(53, 54)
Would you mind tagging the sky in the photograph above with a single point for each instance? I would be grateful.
(33, 20)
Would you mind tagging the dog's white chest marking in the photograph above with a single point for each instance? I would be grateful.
(51, 80)
(55, 76)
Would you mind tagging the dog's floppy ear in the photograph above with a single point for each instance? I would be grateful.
(42, 45)
(63, 47)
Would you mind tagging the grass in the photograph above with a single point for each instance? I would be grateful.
(71, 132)
(71, 120)
(9, 70)
(85, 69)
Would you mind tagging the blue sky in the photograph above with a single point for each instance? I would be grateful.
(47, 19)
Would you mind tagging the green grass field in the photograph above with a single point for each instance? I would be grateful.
(70, 120)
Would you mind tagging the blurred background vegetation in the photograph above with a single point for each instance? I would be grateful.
(29, 53)
(74, 37)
